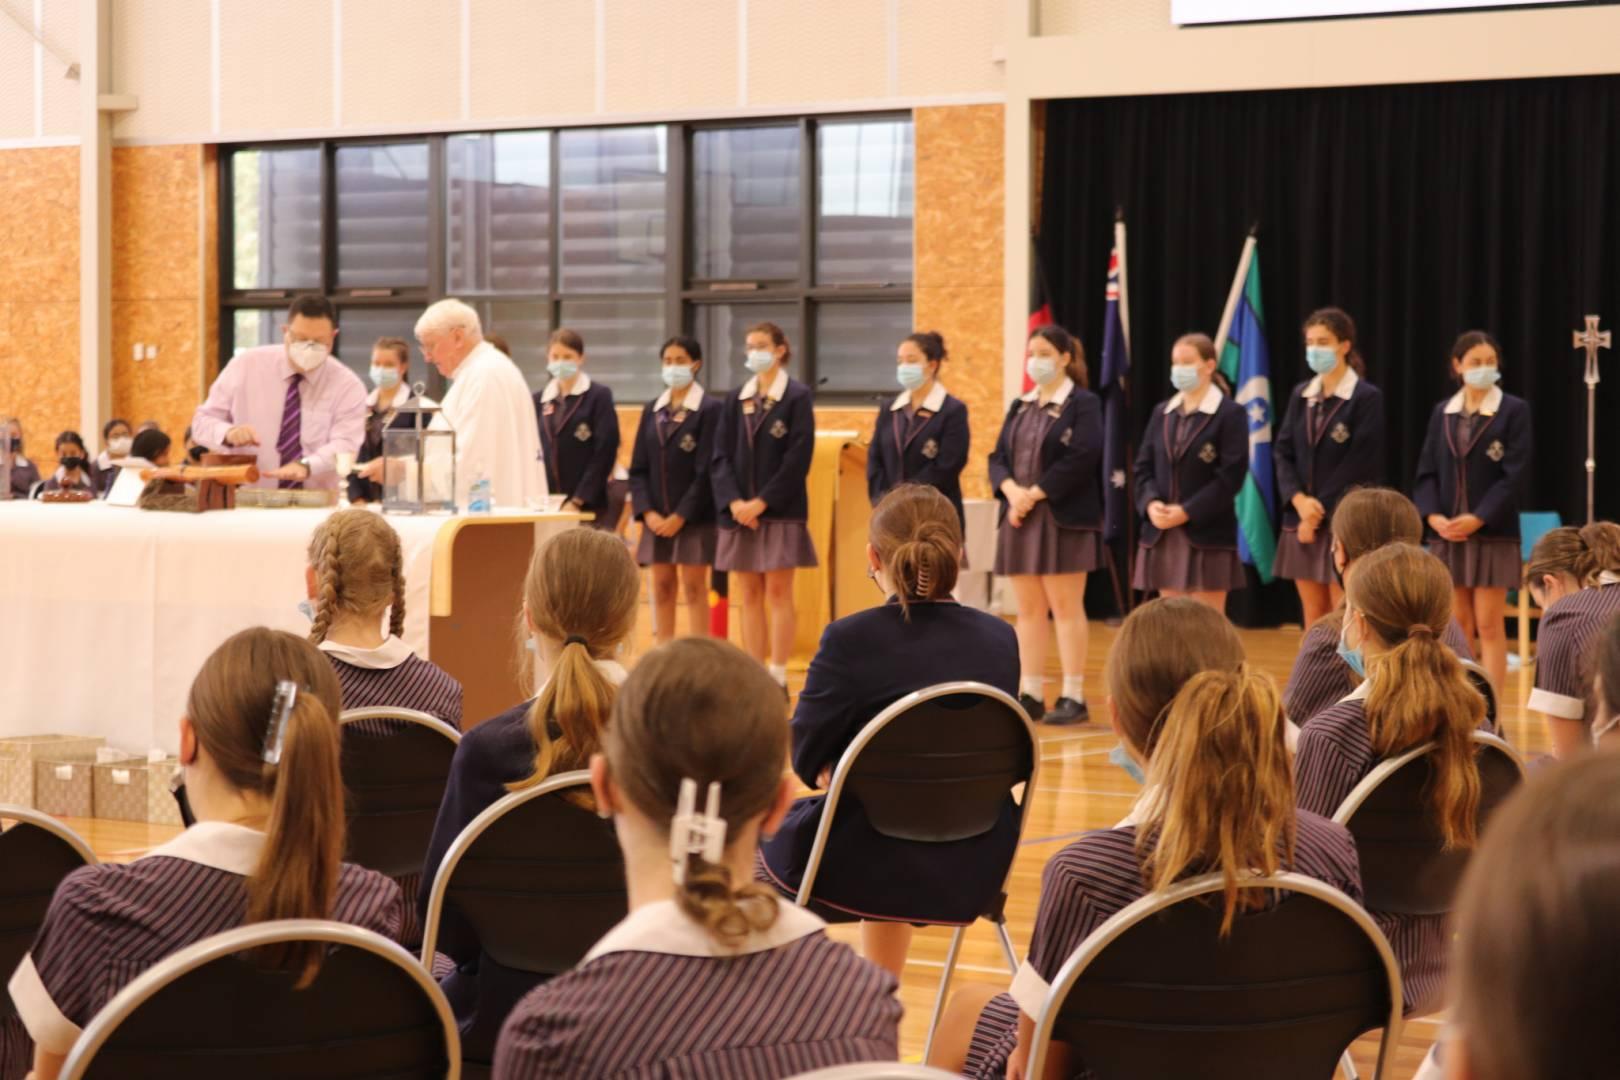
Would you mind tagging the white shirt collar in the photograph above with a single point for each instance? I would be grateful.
(933, 402)
(1608, 577)
(694, 398)
(390, 654)
(1211, 402)
(1139, 808)
(400, 401)
(1346, 387)
(222, 845)
(660, 927)
(611, 670)
(1488, 407)
(582, 383)
(775, 393)
(1065, 388)
(1360, 692)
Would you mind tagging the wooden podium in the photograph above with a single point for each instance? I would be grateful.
(839, 514)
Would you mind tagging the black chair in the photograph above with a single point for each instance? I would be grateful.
(36, 853)
(536, 878)
(1156, 991)
(937, 766)
(210, 1012)
(1482, 682)
(396, 763)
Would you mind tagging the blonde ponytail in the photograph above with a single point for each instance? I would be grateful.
(729, 914)
(578, 698)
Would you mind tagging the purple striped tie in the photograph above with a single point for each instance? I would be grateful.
(290, 444)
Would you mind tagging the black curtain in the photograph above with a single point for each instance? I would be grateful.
(1422, 210)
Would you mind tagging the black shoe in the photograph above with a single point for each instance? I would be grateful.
(1066, 710)
(1032, 705)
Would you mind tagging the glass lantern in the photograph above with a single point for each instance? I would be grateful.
(419, 476)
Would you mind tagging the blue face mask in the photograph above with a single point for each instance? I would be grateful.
(1321, 358)
(1183, 376)
(1124, 760)
(1481, 378)
(1353, 657)
(563, 369)
(758, 361)
(384, 377)
(676, 376)
(306, 610)
(910, 376)
(1041, 369)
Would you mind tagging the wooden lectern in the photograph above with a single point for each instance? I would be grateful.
(839, 514)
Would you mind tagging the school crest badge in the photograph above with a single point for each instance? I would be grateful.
(1067, 437)
(930, 449)
(779, 430)
(583, 432)
(1340, 433)
(1496, 451)
(1207, 454)
(688, 443)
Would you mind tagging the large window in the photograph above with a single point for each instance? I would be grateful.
(626, 234)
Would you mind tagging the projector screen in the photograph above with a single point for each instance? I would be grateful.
(1192, 12)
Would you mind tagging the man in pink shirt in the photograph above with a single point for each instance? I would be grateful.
(293, 404)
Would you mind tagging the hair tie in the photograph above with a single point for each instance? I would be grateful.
(281, 707)
(575, 639)
(693, 833)
(1420, 630)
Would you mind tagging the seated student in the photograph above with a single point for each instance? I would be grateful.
(116, 438)
(580, 601)
(1365, 520)
(355, 576)
(261, 771)
(1574, 577)
(1396, 602)
(709, 974)
(924, 637)
(1220, 799)
(1534, 980)
(150, 449)
(24, 473)
(1606, 686)
(72, 466)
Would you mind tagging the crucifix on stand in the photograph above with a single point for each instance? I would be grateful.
(1591, 339)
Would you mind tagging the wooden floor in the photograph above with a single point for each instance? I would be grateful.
(1078, 790)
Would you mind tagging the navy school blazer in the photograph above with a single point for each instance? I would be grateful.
(771, 465)
(931, 448)
(1205, 479)
(1484, 478)
(579, 457)
(1071, 456)
(1349, 451)
(669, 473)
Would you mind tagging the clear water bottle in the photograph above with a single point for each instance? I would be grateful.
(481, 495)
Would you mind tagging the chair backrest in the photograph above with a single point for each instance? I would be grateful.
(1156, 991)
(1533, 525)
(876, 1070)
(209, 1011)
(538, 878)
(1479, 680)
(1406, 868)
(36, 853)
(935, 766)
(393, 785)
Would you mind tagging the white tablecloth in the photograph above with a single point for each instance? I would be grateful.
(106, 613)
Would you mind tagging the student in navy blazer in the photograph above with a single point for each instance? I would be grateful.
(579, 431)
(1045, 471)
(1331, 440)
(923, 437)
(670, 493)
(762, 452)
(1193, 458)
(865, 663)
(1469, 485)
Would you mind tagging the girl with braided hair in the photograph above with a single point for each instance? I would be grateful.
(356, 576)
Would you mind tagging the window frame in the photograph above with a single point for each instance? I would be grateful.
(682, 294)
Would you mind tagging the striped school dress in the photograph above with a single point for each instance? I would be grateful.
(1086, 884)
(1569, 628)
(659, 997)
(1320, 678)
(392, 676)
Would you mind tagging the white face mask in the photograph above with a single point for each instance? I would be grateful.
(120, 447)
(758, 361)
(307, 355)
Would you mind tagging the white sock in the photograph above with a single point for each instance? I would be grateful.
(1033, 685)
(1074, 687)
(778, 672)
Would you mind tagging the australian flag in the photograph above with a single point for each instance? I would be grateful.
(1114, 391)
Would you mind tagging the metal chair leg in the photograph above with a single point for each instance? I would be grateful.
(1007, 946)
(1348, 1067)
(944, 988)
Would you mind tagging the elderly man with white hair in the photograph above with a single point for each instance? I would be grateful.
(488, 405)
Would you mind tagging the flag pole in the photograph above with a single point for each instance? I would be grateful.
(1124, 598)
(1236, 292)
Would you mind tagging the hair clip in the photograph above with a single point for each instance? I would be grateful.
(281, 707)
(693, 833)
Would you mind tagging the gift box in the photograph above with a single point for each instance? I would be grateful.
(64, 788)
(19, 755)
(136, 789)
